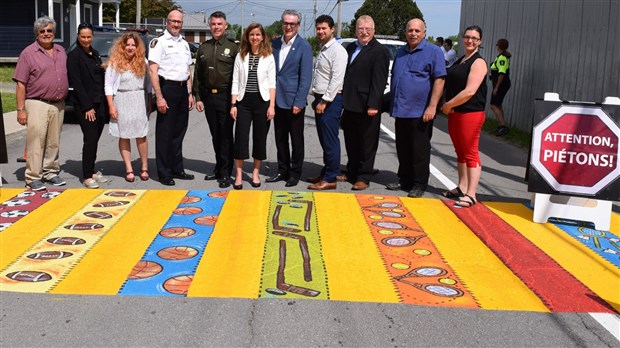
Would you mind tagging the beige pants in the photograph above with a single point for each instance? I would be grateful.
(43, 139)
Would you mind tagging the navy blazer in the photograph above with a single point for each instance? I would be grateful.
(293, 81)
(366, 77)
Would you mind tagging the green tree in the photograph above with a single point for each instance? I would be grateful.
(150, 9)
(390, 16)
(274, 29)
(236, 28)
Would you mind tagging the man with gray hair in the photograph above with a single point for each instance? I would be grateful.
(362, 99)
(42, 86)
(293, 56)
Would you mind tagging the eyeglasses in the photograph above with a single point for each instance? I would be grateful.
(471, 38)
(289, 24)
(174, 21)
(42, 31)
(365, 29)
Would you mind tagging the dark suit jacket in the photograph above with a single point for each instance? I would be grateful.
(82, 69)
(366, 77)
(293, 81)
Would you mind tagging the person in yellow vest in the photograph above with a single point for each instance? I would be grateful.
(500, 77)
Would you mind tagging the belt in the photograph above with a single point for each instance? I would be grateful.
(163, 81)
(319, 96)
(218, 90)
(49, 101)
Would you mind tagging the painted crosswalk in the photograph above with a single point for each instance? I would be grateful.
(303, 245)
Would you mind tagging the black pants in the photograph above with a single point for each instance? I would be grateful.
(217, 112)
(361, 140)
(286, 123)
(251, 111)
(91, 131)
(413, 147)
(170, 131)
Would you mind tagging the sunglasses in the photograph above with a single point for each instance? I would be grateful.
(42, 31)
(85, 26)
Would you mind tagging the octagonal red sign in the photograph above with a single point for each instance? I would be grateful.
(576, 149)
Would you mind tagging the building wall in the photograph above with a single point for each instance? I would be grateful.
(570, 47)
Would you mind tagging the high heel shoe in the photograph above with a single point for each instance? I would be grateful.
(238, 187)
(255, 184)
(128, 178)
(144, 175)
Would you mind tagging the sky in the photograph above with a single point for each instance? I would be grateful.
(442, 16)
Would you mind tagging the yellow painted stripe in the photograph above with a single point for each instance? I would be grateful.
(33, 227)
(355, 269)
(104, 269)
(8, 193)
(583, 263)
(232, 261)
(58, 268)
(492, 283)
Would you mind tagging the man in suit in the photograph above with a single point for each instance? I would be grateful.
(362, 96)
(293, 56)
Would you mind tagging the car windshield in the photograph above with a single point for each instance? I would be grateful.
(103, 44)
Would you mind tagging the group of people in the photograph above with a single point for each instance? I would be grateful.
(241, 88)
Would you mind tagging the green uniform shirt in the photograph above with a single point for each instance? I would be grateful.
(214, 65)
(501, 65)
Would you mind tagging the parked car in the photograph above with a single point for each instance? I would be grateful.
(103, 39)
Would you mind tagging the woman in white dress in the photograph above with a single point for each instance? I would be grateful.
(127, 91)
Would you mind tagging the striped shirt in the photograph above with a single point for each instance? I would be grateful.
(252, 84)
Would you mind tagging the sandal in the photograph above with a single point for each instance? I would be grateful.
(461, 203)
(144, 175)
(128, 178)
(450, 194)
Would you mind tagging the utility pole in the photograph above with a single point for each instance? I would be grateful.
(138, 13)
(339, 25)
(314, 13)
(241, 17)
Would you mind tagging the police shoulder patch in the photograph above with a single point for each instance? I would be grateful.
(153, 43)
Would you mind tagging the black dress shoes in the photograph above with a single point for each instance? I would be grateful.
(397, 186)
(183, 176)
(291, 182)
(211, 176)
(224, 183)
(277, 177)
(167, 182)
(238, 187)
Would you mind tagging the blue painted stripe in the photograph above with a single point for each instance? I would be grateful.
(154, 286)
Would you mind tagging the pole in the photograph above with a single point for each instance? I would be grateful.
(138, 13)
(241, 17)
(339, 26)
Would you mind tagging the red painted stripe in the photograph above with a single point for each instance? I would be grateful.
(556, 287)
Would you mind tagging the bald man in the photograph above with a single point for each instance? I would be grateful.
(169, 61)
(418, 75)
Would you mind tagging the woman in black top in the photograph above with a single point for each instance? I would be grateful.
(466, 92)
(86, 76)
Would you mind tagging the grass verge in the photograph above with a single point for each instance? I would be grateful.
(6, 73)
(8, 102)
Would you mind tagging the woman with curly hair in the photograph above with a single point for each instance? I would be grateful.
(127, 90)
(253, 95)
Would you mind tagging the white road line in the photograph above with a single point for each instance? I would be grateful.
(445, 181)
(611, 322)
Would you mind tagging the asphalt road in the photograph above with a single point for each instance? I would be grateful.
(53, 320)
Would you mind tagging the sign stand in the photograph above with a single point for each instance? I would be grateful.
(570, 207)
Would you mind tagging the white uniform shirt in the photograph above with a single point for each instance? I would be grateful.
(172, 55)
(285, 49)
(329, 69)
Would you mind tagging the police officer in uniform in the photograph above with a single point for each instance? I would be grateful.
(212, 80)
(169, 61)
